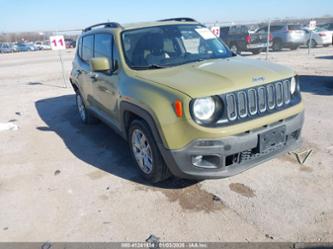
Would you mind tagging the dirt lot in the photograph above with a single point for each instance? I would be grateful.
(64, 181)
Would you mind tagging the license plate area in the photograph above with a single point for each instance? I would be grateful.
(272, 138)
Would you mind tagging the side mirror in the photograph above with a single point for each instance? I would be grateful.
(100, 64)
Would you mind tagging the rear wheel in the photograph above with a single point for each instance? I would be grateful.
(85, 115)
(277, 45)
(256, 51)
(146, 153)
(294, 47)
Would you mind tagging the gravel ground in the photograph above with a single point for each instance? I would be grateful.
(64, 181)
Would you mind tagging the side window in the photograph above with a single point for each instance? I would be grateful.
(87, 48)
(224, 31)
(79, 47)
(103, 46)
(262, 30)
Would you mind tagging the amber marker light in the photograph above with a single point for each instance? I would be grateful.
(179, 108)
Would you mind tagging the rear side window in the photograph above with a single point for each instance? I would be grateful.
(262, 30)
(87, 48)
(294, 27)
(103, 46)
(79, 47)
(276, 28)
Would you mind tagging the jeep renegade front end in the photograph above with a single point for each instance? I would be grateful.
(184, 102)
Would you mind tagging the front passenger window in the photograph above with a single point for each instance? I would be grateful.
(103, 46)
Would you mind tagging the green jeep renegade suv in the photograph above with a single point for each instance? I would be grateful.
(184, 102)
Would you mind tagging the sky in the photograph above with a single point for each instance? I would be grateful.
(44, 15)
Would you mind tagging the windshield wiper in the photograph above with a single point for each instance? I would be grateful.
(151, 66)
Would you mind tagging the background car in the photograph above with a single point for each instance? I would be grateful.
(24, 47)
(70, 43)
(319, 36)
(287, 36)
(6, 48)
(329, 28)
(42, 45)
(242, 38)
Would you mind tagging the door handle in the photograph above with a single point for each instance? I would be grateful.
(93, 76)
(104, 89)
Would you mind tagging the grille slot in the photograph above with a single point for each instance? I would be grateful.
(262, 99)
(286, 91)
(270, 97)
(244, 104)
(279, 94)
(252, 96)
(231, 107)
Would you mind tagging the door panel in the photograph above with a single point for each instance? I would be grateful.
(105, 83)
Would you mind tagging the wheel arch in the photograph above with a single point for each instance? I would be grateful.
(130, 112)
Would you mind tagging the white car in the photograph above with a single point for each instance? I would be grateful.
(320, 36)
(42, 45)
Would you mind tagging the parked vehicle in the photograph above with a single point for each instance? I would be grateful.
(70, 43)
(286, 36)
(185, 103)
(42, 45)
(329, 27)
(6, 48)
(319, 36)
(241, 38)
(24, 47)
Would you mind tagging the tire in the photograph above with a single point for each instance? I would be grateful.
(234, 48)
(313, 43)
(85, 115)
(277, 45)
(326, 45)
(256, 51)
(146, 153)
(295, 47)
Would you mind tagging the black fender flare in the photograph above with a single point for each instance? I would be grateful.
(143, 114)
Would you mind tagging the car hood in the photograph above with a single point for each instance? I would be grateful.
(217, 76)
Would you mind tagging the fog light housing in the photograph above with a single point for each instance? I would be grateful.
(206, 161)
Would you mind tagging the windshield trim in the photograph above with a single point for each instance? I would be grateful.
(171, 65)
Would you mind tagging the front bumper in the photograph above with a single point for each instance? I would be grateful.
(231, 155)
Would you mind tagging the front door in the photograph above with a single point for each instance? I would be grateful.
(105, 84)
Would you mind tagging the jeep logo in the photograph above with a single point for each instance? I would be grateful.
(258, 79)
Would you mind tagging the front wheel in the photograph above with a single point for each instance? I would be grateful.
(234, 48)
(312, 44)
(146, 153)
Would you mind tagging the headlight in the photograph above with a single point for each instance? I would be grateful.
(293, 85)
(204, 108)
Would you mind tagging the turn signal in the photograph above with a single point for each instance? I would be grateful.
(179, 108)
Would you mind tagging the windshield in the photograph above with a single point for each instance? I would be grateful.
(172, 45)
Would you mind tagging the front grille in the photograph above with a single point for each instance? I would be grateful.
(249, 103)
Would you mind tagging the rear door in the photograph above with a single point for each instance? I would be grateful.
(85, 53)
(260, 36)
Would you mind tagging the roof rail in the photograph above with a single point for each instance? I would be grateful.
(105, 24)
(179, 19)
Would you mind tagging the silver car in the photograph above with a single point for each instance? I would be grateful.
(319, 36)
(287, 36)
(6, 48)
